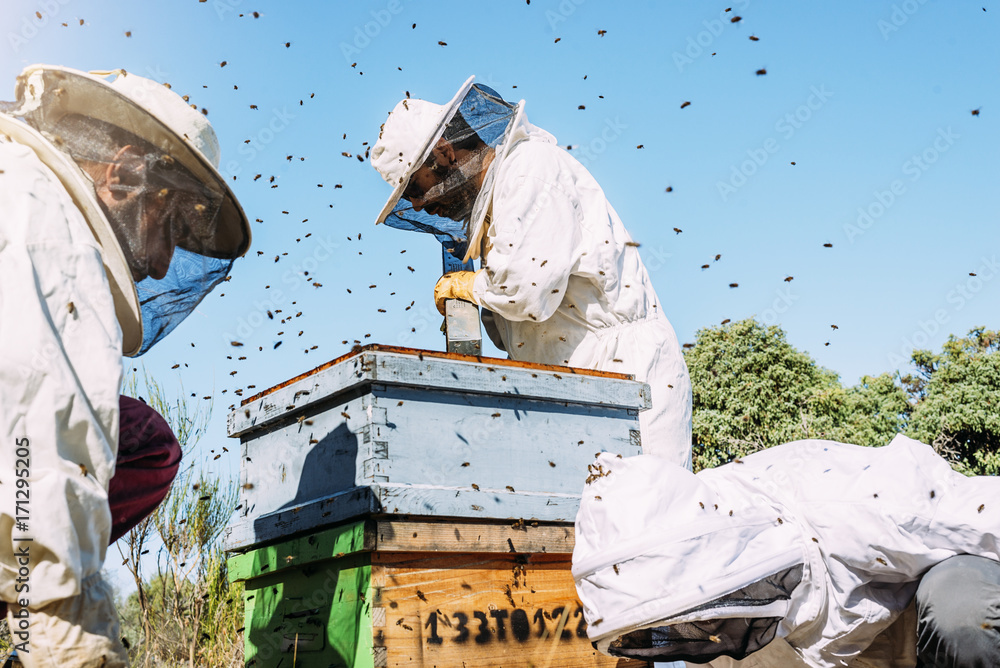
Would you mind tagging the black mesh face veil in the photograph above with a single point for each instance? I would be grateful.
(728, 626)
(440, 197)
(164, 218)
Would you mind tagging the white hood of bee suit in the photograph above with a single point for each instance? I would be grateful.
(654, 540)
(81, 190)
(155, 114)
(866, 522)
(408, 137)
(521, 130)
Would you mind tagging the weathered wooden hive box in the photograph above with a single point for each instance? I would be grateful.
(393, 592)
(413, 508)
(396, 431)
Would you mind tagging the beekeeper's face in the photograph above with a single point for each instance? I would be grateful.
(150, 220)
(447, 183)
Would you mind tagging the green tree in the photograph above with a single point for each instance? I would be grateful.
(957, 395)
(188, 423)
(753, 390)
(187, 612)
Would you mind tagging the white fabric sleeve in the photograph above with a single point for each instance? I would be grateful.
(535, 233)
(60, 374)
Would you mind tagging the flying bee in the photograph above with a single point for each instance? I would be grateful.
(685, 104)
(761, 72)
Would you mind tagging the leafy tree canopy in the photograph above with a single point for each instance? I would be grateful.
(753, 390)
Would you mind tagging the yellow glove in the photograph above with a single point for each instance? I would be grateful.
(456, 285)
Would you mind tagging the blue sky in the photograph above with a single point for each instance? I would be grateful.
(870, 100)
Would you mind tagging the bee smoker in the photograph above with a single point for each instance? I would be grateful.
(461, 318)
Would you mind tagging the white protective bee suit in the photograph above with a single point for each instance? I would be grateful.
(562, 282)
(806, 554)
(68, 311)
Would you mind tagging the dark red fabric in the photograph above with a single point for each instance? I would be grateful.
(148, 458)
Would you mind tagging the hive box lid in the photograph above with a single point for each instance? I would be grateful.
(391, 365)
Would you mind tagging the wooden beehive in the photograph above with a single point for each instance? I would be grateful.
(393, 431)
(401, 592)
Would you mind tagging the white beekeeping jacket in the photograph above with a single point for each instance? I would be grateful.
(810, 550)
(60, 372)
(564, 283)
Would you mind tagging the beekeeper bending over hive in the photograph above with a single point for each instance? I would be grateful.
(115, 224)
(812, 553)
(561, 279)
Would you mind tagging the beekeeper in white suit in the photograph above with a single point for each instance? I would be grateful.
(812, 553)
(115, 225)
(561, 279)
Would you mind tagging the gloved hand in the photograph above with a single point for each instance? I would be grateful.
(456, 285)
(81, 631)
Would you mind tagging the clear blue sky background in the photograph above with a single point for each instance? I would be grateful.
(895, 78)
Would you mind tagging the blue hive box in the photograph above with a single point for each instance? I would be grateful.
(398, 432)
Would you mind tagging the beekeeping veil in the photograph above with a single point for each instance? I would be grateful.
(143, 171)
(445, 199)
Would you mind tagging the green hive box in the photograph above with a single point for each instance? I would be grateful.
(398, 592)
